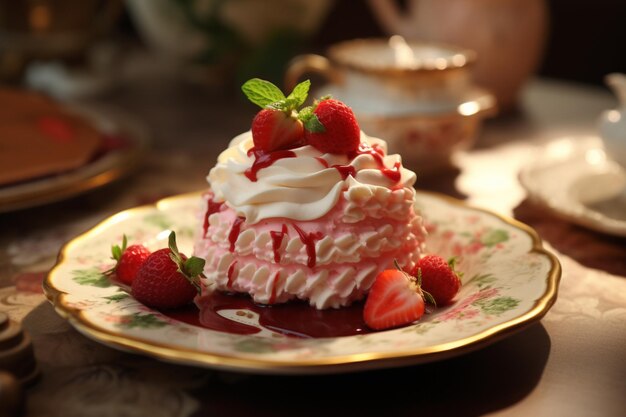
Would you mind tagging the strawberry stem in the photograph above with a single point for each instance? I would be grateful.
(191, 268)
(452, 264)
(428, 297)
(116, 254)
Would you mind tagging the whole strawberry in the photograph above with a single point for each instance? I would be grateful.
(277, 126)
(167, 279)
(274, 130)
(395, 299)
(333, 129)
(438, 278)
(129, 260)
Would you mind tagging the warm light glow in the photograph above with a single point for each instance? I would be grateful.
(613, 116)
(561, 149)
(441, 63)
(469, 108)
(459, 60)
(595, 156)
(403, 54)
(39, 18)
(164, 235)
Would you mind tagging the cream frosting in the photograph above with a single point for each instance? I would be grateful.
(300, 188)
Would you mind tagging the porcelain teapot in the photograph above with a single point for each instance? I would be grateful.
(507, 35)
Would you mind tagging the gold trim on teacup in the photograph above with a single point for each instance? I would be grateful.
(460, 58)
(335, 364)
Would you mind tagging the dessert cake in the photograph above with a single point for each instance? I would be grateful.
(306, 206)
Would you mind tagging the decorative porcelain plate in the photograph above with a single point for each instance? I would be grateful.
(575, 179)
(111, 166)
(509, 281)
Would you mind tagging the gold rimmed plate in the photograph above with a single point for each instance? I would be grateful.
(126, 143)
(509, 281)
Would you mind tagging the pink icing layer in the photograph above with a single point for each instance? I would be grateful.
(329, 262)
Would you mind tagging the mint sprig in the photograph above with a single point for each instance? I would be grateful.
(262, 92)
(190, 268)
(266, 95)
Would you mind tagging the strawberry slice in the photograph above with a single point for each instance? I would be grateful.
(275, 129)
(394, 300)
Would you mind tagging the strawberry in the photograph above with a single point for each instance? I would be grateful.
(129, 260)
(167, 279)
(274, 130)
(333, 129)
(438, 278)
(394, 300)
(278, 125)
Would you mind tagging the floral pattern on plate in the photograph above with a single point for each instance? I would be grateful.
(509, 280)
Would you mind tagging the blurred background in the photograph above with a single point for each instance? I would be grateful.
(176, 66)
(221, 40)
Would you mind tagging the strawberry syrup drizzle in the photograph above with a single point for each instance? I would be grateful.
(277, 240)
(212, 207)
(230, 274)
(375, 152)
(294, 319)
(309, 241)
(344, 170)
(234, 232)
(263, 159)
(272, 299)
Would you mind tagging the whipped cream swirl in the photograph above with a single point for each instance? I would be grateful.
(304, 187)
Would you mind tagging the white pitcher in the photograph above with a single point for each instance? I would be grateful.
(613, 122)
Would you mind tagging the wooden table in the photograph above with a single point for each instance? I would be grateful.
(571, 363)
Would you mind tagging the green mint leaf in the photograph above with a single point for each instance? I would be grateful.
(261, 92)
(281, 105)
(124, 242)
(313, 124)
(299, 94)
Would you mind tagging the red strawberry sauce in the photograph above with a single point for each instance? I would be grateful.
(309, 241)
(375, 152)
(234, 232)
(295, 319)
(263, 159)
(212, 207)
(277, 240)
(344, 170)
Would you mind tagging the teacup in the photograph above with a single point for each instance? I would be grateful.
(419, 97)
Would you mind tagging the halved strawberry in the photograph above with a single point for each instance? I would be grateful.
(275, 129)
(394, 300)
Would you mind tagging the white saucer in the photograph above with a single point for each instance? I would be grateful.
(575, 179)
